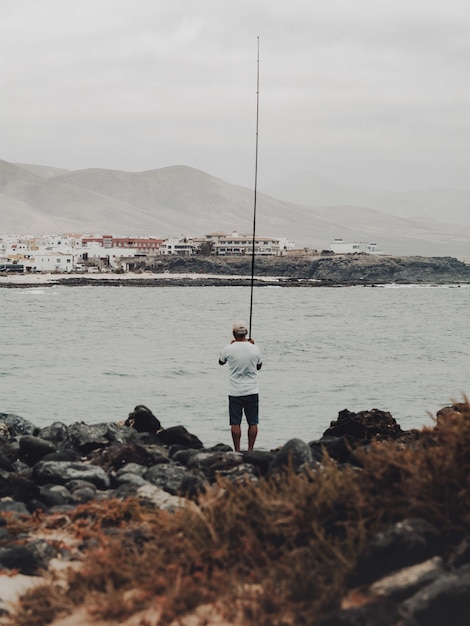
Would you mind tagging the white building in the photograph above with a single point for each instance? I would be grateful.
(236, 244)
(345, 247)
(181, 247)
(51, 262)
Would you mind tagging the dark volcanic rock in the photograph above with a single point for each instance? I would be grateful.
(55, 495)
(132, 476)
(25, 488)
(119, 455)
(406, 543)
(17, 425)
(16, 486)
(461, 555)
(239, 473)
(33, 449)
(167, 477)
(63, 455)
(179, 435)
(337, 448)
(295, 454)
(85, 437)
(260, 459)
(404, 583)
(193, 484)
(28, 559)
(60, 472)
(365, 426)
(358, 269)
(12, 506)
(5, 460)
(21, 558)
(212, 462)
(445, 601)
(182, 454)
(55, 432)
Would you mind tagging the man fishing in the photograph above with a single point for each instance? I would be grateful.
(244, 361)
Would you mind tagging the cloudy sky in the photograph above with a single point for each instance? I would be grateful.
(365, 92)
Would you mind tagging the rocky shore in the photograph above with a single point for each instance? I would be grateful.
(412, 572)
(309, 271)
(327, 270)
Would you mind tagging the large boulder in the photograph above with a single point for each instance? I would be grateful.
(6, 458)
(295, 455)
(60, 472)
(130, 476)
(406, 582)
(401, 545)
(444, 601)
(167, 477)
(18, 487)
(55, 432)
(193, 484)
(81, 490)
(260, 459)
(33, 449)
(336, 448)
(182, 454)
(53, 495)
(363, 427)
(13, 508)
(87, 437)
(212, 463)
(21, 558)
(179, 435)
(461, 554)
(17, 425)
(117, 455)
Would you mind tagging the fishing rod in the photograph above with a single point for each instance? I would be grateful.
(255, 194)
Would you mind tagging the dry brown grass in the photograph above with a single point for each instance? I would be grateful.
(294, 539)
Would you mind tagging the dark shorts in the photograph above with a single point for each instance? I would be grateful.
(248, 404)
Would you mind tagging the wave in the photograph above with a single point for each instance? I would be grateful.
(118, 374)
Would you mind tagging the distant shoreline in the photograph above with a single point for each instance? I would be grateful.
(328, 271)
(194, 280)
(148, 279)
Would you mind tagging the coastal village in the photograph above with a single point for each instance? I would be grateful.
(78, 253)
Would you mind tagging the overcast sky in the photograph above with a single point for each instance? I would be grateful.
(366, 92)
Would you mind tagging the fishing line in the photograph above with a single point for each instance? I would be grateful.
(255, 194)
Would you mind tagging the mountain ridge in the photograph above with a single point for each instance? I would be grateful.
(310, 188)
(179, 199)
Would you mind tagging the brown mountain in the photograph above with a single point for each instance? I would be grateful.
(179, 200)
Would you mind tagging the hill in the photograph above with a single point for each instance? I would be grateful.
(177, 200)
(308, 188)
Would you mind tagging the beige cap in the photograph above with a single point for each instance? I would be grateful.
(239, 328)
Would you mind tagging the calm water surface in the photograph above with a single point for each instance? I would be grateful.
(92, 353)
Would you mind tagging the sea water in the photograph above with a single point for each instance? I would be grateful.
(92, 353)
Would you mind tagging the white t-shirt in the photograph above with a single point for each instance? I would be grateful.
(242, 358)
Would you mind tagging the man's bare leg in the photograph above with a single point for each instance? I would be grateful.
(252, 432)
(236, 436)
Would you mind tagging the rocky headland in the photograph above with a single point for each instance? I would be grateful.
(303, 271)
(350, 269)
(134, 523)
